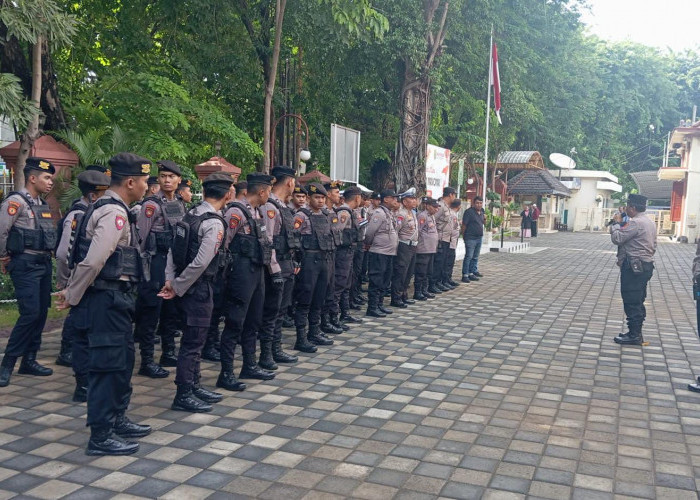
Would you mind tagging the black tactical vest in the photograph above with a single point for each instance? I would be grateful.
(126, 260)
(77, 206)
(336, 232)
(320, 237)
(187, 241)
(289, 238)
(349, 235)
(255, 246)
(43, 238)
(173, 212)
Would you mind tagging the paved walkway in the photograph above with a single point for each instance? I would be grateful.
(506, 388)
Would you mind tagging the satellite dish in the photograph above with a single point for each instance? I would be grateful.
(562, 161)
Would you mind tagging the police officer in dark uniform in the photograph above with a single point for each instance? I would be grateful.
(251, 250)
(444, 227)
(314, 225)
(156, 224)
(27, 238)
(695, 386)
(636, 243)
(383, 241)
(107, 265)
(193, 262)
(357, 300)
(332, 201)
(405, 260)
(351, 237)
(278, 289)
(184, 191)
(92, 184)
(425, 251)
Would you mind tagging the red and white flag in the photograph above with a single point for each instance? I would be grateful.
(496, 82)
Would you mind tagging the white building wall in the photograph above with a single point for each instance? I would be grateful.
(692, 201)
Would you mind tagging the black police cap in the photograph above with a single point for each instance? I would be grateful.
(152, 180)
(241, 186)
(98, 168)
(448, 191)
(185, 183)
(94, 179)
(388, 193)
(259, 179)
(40, 165)
(375, 196)
(222, 178)
(316, 188)
(331, 185)
(129, 164)
(430, 201)
(637, 200)
(280, 172)
(298, 189)
(169, 166)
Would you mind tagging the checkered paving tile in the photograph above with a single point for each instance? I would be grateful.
(506, 388)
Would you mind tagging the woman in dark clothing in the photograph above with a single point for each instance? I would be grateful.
(526, 222)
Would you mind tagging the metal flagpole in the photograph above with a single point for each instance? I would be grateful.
(488, 117)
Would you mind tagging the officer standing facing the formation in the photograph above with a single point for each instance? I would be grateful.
(473, 222)
(251, 250)
(314, 226)
(444, 227)
(405, 260)
(93, 184)
(425, 251)
(636, 243)
(27, 238)
(383, 241)
(279, 287)
(156, 225)
(107, 265)
(193, 262)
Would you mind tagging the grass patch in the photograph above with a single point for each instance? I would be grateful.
(9, 314)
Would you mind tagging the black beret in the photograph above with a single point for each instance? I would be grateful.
(316, 188)
(448, 191)
(185, 183)
(152, 180)
(331, 185)
(39, 164)
(637, 200)
(129, 164)
(219, 178)
(281, 172)
(388, 193)
(241, 186)
(375, 196)
(94, 179)
(430, 201)
(170, 166)
(300, 189)
(257, 179)
(98, 168)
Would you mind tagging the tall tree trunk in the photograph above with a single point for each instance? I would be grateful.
(32, 133)
(271, 79)
(409, 162)
(50, 101)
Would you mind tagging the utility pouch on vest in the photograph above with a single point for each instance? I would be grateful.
(180, 245)
(696, 290)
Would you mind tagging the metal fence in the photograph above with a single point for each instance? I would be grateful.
(594, 220)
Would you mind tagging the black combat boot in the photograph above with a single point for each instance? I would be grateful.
(316, 337)
(406, 300)
(29, 366)
(125, 428)
(303, 343)
(338, 323)
(355, 305)
(227, 380)
(633, 337)
(328, 327)
(346, 317)
(211, 353)
(185, 400)
(265, 361)
(426, 291)
(104, 442)
(280, 356)
(452, 283)
(81, 389)
(383, 309)
(397, 302)
(440, 285)
(287, 321)
(432, 288)
(373, 310)
(6, 367)
(168, 357)
(418, 291)
(151, 369)
(250, 369)
(65, 355)
(446, 285)
(206, 395)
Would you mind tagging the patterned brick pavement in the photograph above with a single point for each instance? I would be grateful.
(506, 388)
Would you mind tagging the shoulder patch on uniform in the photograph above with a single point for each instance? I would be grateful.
(399, 218)
(334, 220)
(219, 236)
(343, 217)
(73, 224)
(150, 210)
(421, 220)
(12, 207)
(271, 214)
(119, 222)
(234, 221)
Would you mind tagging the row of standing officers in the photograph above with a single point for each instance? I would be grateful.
(132, 270)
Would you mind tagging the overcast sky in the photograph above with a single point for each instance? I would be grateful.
(659, 23)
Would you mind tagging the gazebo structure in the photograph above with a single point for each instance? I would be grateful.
(540, 187)
(60, 155)
(314, 175)
(216, 164)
